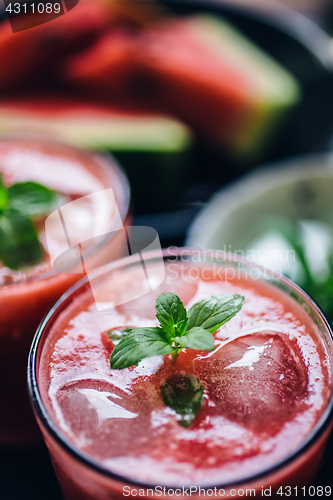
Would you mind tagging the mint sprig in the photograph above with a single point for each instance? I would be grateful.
(19, 203)
(178, 329)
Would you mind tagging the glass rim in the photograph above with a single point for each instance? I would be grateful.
(88, 460)
(109, 167)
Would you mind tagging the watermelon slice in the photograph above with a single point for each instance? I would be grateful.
(31, 56)
(199, 69)
(219, 82)
(94, 126)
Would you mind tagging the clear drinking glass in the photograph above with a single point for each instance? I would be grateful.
(83, 477)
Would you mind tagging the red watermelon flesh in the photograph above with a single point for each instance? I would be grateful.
(166, 70)
(188, 80)
(108, 71)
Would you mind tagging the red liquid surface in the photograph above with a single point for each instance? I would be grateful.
(26, 295)
(266, 384)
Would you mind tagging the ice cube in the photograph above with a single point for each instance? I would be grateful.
(259, 380)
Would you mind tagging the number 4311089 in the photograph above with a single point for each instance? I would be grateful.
(40, 8)
(305, 491)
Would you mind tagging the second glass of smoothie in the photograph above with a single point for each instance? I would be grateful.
(27, 294)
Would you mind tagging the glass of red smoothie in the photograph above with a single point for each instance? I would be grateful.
(267, 408)
(27, 294)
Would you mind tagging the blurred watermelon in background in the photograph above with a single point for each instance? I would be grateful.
(199, 69)
(156, 147)
(185, 95)
(107, 74)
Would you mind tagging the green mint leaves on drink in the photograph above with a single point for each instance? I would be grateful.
(19, 204)
(178, 329)
(184, 395)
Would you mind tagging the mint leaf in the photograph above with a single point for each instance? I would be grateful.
(140, 343)
(197, 338)
(32, 198)
(184, 394)
(3, 197)
(171, 313)
(213, 312)
(19, 244)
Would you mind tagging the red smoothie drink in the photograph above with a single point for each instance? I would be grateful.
(264, 417)
(27, 292)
